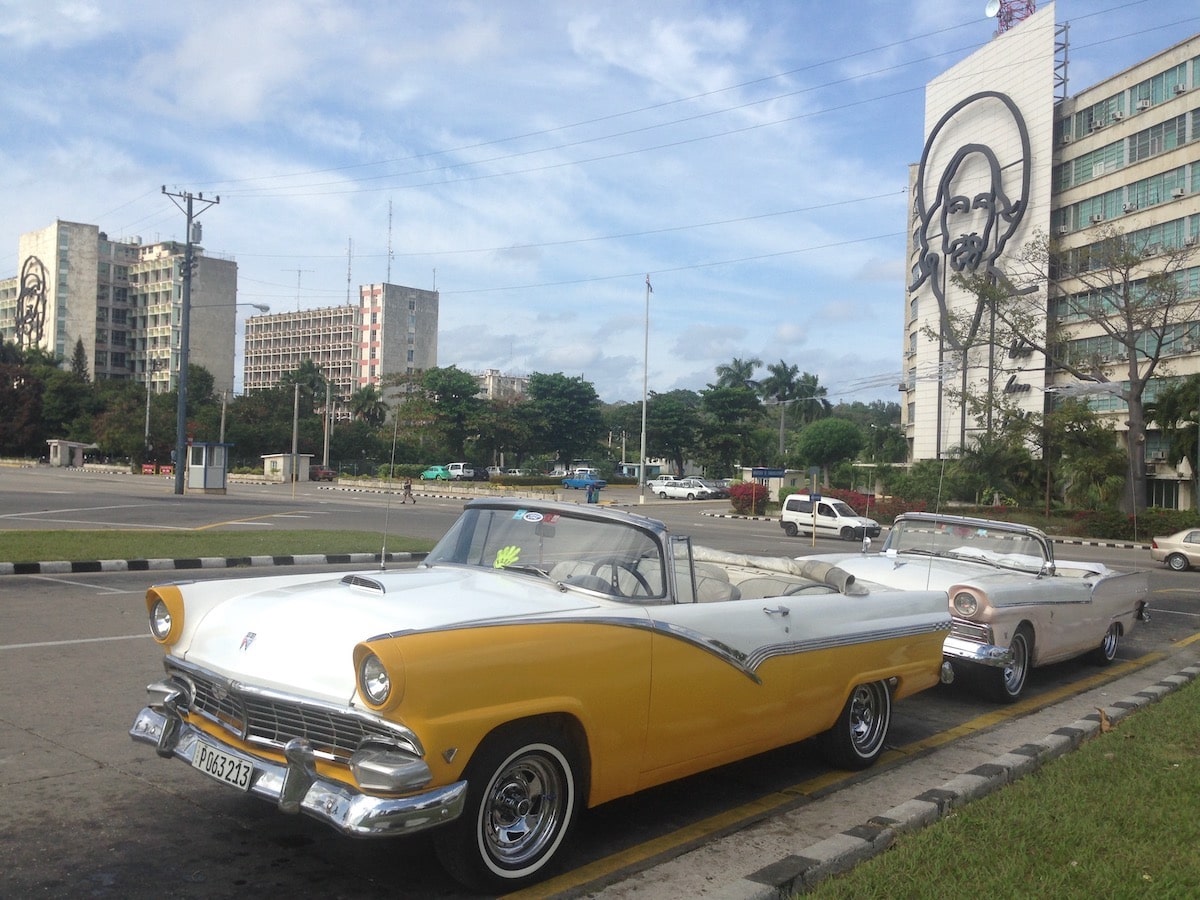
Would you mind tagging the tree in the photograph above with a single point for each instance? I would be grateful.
(738, 373)
(730, 416)
(811, 396)
(828, 441)
(780, 386)
(310, 380)
(366, 404)
(455, 398)
(79, 362)
(1118, 308)
(563, 415)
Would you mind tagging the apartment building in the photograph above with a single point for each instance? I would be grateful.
(122, 299)
(391, 331)
(1010, 159)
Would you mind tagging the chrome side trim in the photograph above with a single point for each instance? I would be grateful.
(296, 787)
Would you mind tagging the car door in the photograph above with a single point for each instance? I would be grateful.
(723, 681)
(827, 520)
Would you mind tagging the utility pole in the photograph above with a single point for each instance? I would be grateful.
(186, 202)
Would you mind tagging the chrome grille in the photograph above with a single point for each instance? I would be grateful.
(270, 720)
(971, 631)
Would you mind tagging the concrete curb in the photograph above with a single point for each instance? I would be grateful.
(800, 872)
(207, 562)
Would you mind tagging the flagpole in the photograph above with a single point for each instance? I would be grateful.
(645, 382)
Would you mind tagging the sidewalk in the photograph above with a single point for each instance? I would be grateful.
(783, 854)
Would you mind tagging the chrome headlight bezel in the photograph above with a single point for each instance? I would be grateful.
(965, 604)
(160, 621)
(374, 680)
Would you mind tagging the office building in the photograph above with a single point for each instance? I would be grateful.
(392, 331)
(122, 299)
(1011, 159)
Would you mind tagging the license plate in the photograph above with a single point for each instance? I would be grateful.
(221, 766)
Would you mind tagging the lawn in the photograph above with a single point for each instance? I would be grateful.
(43, 546)
(1119, 817)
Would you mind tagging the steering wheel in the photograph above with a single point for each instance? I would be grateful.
(613, 565)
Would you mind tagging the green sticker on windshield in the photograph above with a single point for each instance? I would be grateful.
(506, 556)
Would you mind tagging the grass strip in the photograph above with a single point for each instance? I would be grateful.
(74, 546)
(1119, 817)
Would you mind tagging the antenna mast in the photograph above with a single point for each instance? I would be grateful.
(349, 262)
(1009, 13)
(388, 280)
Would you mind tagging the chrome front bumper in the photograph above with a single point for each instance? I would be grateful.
(958, 649)
(296, 786)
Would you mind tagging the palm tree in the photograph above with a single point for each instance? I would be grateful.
(310, 379)
(811, 396)
(738, 373)
(367, 405)
(780, 386)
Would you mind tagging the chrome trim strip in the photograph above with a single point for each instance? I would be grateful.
(962, 650)
(348, 810)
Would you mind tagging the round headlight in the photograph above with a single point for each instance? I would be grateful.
(160, 621)
(965, 604)
(373, 679)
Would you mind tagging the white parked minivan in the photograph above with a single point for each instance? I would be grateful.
(828, 517)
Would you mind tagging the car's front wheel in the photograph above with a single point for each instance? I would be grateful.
(1177, 562)
(522, 789)
(856, 739)
(790, 529)
(1004, 685)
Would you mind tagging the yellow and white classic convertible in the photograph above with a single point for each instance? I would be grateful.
(544, 658)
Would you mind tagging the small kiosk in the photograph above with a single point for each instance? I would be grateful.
(278, 466)
(206, 467)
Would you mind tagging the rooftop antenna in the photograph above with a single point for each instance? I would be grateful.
(388, 280)
(1009, 13)
(297, 271)
(349, 262)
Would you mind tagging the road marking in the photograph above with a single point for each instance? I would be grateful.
(96, 587)
(102, 640)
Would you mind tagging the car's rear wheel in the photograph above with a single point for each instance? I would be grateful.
(691, 496)
(790, 529)
(522, 789)
(1107, 651)
(857, 738)
(1178, 562)
(847, 533)
(1004, 685)
(662, 495)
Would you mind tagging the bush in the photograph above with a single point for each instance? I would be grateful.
(1115, 525)
(748, 498)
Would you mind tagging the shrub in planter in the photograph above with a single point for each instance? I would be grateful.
(748, 498)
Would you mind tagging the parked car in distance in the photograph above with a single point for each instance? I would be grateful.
(460, 471)
(1180, 551)
(436, 473)
(684, 489)
(516, 473)
(493, 471)
(827, 516)
(717, 489)
(581, 479)
(1014, 607)
(658, 480)
(321, 473)
(544, 657)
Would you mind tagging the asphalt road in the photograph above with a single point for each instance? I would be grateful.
(89, 813)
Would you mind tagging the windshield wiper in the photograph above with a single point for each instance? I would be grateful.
(529, 569)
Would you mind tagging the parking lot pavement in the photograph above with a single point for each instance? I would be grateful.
(786, 853)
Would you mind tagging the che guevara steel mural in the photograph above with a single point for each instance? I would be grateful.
(962, 229)
(30, 325)
(969, 201)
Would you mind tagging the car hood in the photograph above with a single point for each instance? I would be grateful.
(300, 637)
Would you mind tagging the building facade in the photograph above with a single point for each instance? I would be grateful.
(392, 331)
(123, 300)
(1010, 163)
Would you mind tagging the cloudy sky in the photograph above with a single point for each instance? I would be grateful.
(532, 160)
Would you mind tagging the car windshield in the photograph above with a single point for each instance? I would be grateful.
(842, 509)
(968, 540)
(556, 545)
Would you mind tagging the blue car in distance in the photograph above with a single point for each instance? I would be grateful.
(582, 480)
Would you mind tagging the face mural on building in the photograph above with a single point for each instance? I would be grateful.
(969, 198)
(31, 303)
